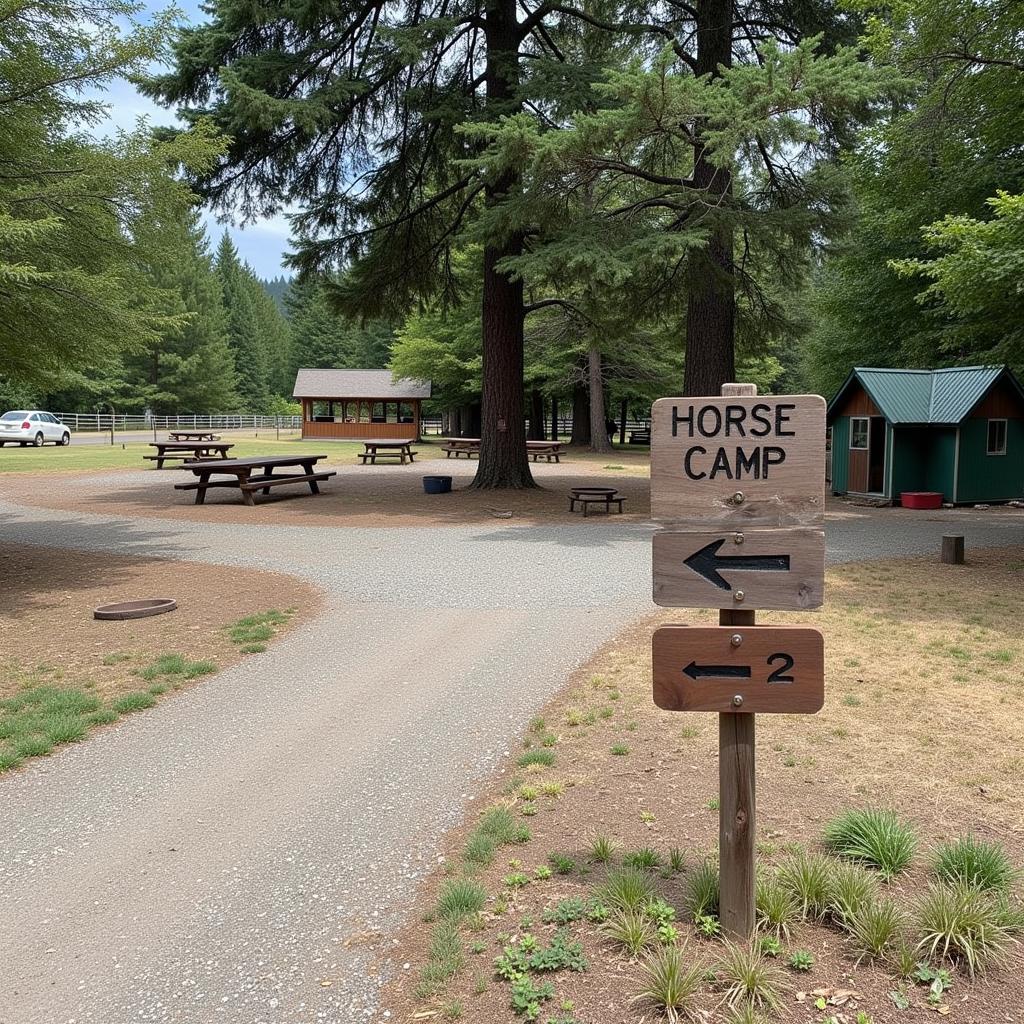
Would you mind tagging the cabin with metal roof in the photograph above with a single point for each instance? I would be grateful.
(359, 404)
(958, 432)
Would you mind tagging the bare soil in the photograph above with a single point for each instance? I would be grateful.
(48, 633)
(359, 496)
(924, 689)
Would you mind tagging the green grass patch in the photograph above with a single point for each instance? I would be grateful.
(40, 718)
(974, 862)
(174, 665)
(137, 700)
(874, 837)
(544, 757)
(252, 632)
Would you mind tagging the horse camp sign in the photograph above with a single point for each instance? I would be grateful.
(738, 487)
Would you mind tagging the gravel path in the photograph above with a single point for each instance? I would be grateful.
(240, 853)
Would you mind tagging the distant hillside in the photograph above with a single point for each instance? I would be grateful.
(276, 288)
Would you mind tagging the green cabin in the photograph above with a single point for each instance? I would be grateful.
(958, 432)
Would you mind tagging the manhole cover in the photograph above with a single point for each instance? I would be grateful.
(135, 609)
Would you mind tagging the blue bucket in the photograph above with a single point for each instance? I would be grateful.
(437, 484)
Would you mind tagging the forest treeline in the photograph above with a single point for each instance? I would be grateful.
(605, 203)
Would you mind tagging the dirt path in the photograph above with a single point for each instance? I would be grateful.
(239, 853)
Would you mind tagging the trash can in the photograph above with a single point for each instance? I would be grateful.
(437, 484)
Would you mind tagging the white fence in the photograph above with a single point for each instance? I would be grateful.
(86, 421)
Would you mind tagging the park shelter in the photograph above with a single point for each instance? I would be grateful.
(957, 431)
(359, 404)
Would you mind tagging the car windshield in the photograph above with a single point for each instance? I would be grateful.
(13, 416)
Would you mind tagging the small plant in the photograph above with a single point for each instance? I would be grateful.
(453, 1010)
(538, 724)
(445, 958)
(542, 872)
(605, 711)
(529, 809)
(176, 665)
(647, 817)
(960, 923)
(573, 717)
(670, 980)
(850, 889)
(777, 907)
(630, 929)
(565, 911)
(627, 888)
(769, 945)
(676, 860)
(597, 912)
(750, 979)
(549, 739)
(713, 804)
(689, 732)
(939, 981)
(620, 749)
(137, 700)
(543, 757)
(255, 630)
(516, 880)
(644, 858)
(552, 789)
(602, 850)
(874, 926)
(460, 897)
(801, 960)
(903, 959)
(974, 862)
(702, 889)
(563, 865)
(527, 995)
(808, 878)
(874, 837)
(527, 792)
(707, 925)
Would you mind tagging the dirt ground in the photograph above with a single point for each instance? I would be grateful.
(924, 689)
(48, 633)
(359, 496)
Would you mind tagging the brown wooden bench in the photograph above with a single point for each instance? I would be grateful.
(400, 450)
(187, 451)
(545, 450)
(468, 446)
(245, 476)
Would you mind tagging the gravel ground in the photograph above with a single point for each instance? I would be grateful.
(242, 853)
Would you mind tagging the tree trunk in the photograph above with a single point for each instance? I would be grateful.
(554, 417)
(580, 416)
(503, 458)
(536, 431)
(599, 441)
(711, 306)
(623, 413)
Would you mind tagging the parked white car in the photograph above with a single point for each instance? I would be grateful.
(30, 426)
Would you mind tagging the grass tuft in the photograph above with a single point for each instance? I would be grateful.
(543, 757)
(875, 927)
(460, 897)
(602, 850)
(137, 700)
(631, 929)
(872, 836)
(627, 889)
(975, 862)
(807, 877)
(750, 978)
(702, 890)
(777, 907)
(962, 924)
(850, 888)
(670, 980)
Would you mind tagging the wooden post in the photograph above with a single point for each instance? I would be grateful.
(953, 549)
(736, 811)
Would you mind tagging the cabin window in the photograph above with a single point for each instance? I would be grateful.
(859, 433)
(996, 437)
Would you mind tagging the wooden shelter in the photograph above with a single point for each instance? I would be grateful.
(958, 432)
(359, 404)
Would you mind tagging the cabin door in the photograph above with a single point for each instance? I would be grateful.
(867, 455)
(876, 456)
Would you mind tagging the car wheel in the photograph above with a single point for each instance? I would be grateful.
(38, 440)
(65, 439)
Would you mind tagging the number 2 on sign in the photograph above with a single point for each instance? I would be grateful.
(779, 675)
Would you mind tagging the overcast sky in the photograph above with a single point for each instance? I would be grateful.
(262, 244)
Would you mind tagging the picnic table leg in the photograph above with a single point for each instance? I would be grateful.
(247, 496)
(309, 468)
(204, 479)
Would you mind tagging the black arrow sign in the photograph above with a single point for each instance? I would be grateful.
(707, 562)
(695, 671)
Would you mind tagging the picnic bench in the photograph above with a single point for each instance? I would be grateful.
(187, 451)
(387, 449)
(255, 474)
(468, 446)
(587, 496)
(640, 437)
(544, 450)
(192, 435)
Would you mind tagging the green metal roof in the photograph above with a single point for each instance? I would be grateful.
(926, 396)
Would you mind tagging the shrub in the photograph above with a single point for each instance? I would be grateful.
(749, 978)
(807, 877)
(669, 982)
(974, 862)
(627, 889)
(875, 837)
(961, 923)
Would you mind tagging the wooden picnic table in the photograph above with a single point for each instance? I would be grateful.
(255, 474)
(545, 449)
(187, 451)
(468, 446)
(192, 435)
(587, 496)
(388, 448)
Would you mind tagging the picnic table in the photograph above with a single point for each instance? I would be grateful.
(187, 451)
(468, 446)
(587, 496)
(640, 436)
(192, 435)
(255, 474)
(389, 448)
(544, 449)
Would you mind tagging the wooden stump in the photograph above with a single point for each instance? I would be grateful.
(953, 549)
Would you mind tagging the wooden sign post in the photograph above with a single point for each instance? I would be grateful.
(739, 483)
